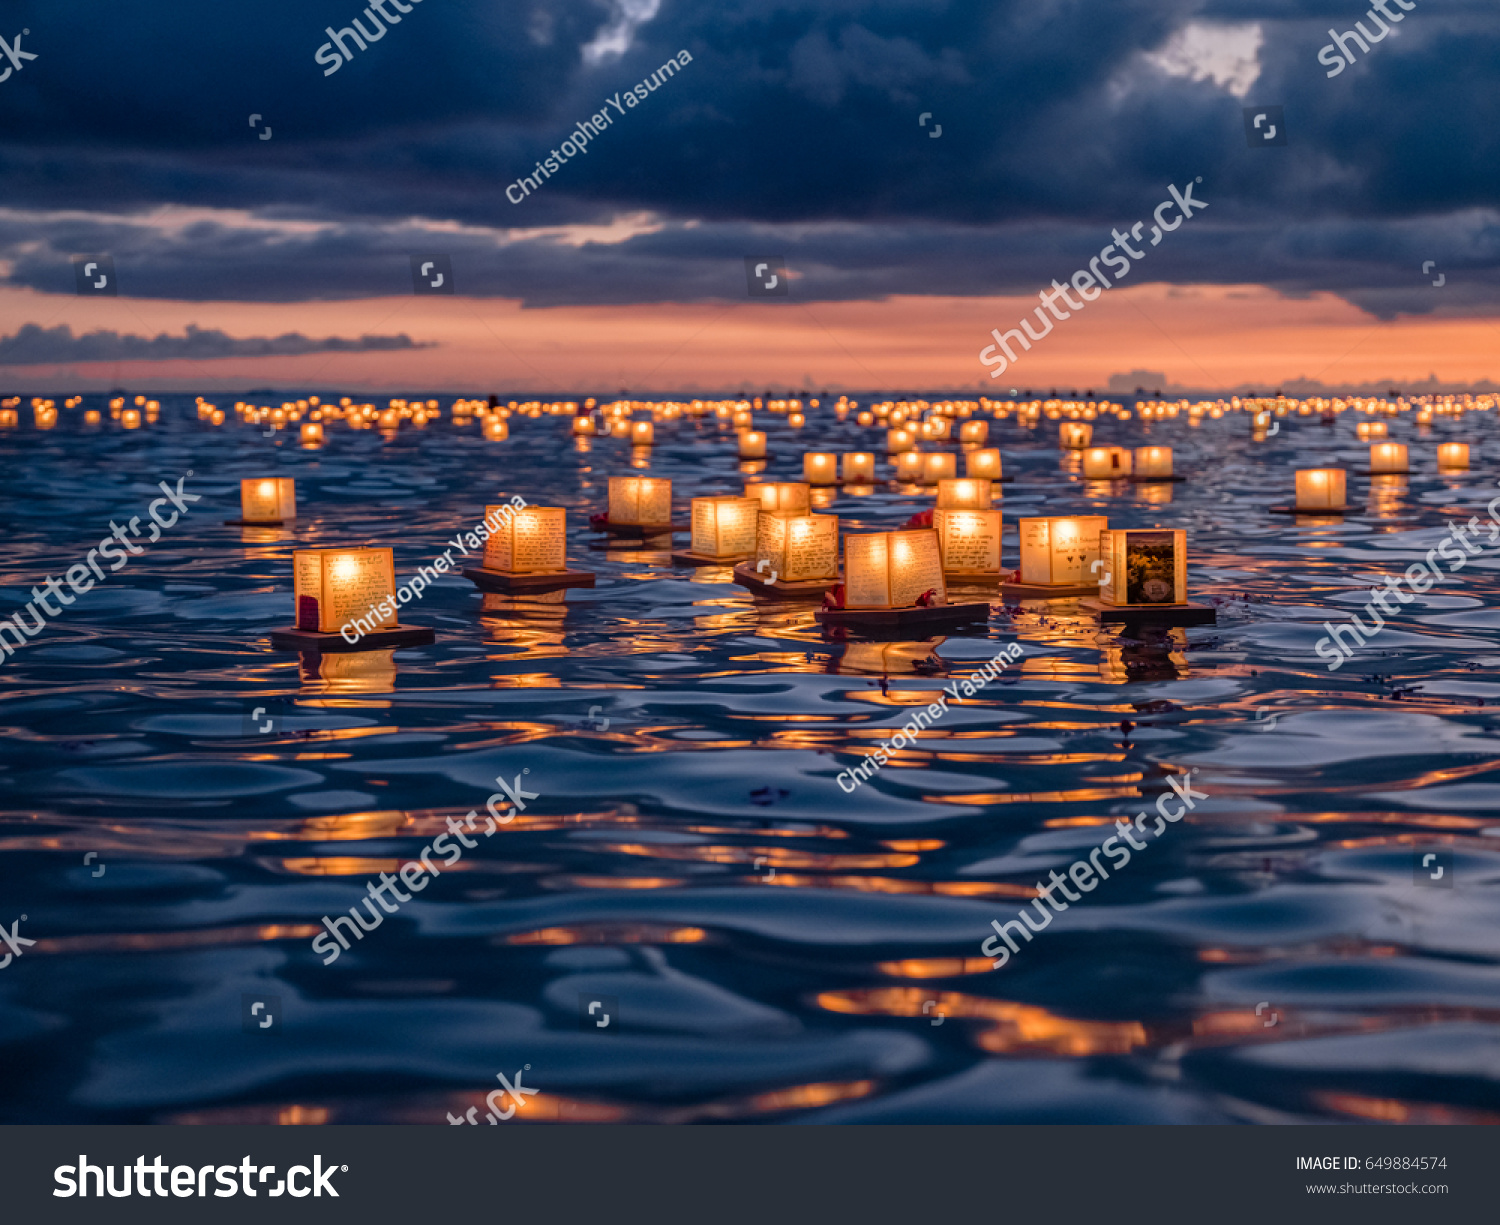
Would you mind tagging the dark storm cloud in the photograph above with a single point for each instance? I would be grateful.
(36, 346)
(792, 121)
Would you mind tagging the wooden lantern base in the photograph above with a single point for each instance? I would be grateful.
(756, 459)
(1154, 480)
(1044, 591)
(686, 557)
(504, 581)
(293, 639)
(886, 619)
(1336, 512)
(1152, 614)
(258, 522)
(1372, 472)
(961, 578)
(811, 589)
(640, 529)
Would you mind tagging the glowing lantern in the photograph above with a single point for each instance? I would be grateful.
(1106, 463)
(1453, 456)
(752, 444)
(1388, 457)
(796, 421)
(528, 540)
(725, 527)
(1153, 462)
(969, 541)
(909, 466)
(899, 441)
(799, 547)
(1320, 489)
(271, 499)
(893, 569)
(640, 501)
(820, 468)
(742, 420)
(937, 428)
(984, 464)
(1143, 566)
(642, 433)
(131, 419)
(312, 433)
(9, 418)
(938, 466)
(1074, 435)
(495, 428)
(858, 468)
(781, 495)
(583, 425)
(335, 586)
(1366, 430)
(864, 418)
(974, 431)
(966, 494)
(1061, 551)
(93, 417)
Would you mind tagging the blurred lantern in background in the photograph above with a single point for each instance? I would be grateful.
(781, 495)
(1453, 456)
(1153, 462)
(1320, 489)
(1106, 463)
(938, 466)
(1388, 458)
(984, 463)
(1074, 435)
(964, 494)
(820, 468)
(752, 444)
(858, 468)
(268, 499)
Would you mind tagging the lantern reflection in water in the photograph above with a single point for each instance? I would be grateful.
(724, 527)
(269, 499)
(333, 587)
(1061, 551)
(348, 672)
(893, 570)
(886, 658)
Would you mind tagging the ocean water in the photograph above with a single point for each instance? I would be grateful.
(765, 946)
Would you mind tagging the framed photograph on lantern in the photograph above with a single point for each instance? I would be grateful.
(1144, 578)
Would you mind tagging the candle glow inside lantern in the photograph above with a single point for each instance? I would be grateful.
(642, 433)
(820, 468)
(583, 425)
(528, 540)
(1106, 463)
(1143, 566)
(893, 569)
(1388, 458)
(1366, 430)
(1320, 489)
(969, 541)
(938, 466)
(909, 466)
(752, 444)
(640, 501)
(725, 527)
(898, 442)
(858, 468)
(965, 494)
(1453, 456)
(1153, 462)
(312, 433)
(270, 499)
(1074, 435)
(984, 463)
(495, 428)
(974, 431)
(1061, 550)
(800, 547)
(782, 495)
(335, 586)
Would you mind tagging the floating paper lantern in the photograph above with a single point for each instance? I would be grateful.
(744, 419)
(1366, 430)
(965, 494)
(938, 466)
(1106, 463)
(1153, 462)
(642, 433)
(640, 501)
(1074, 435)
(336, 586)
(820, 468)
(131, 419)
(893, 569)
(495, 428)
(752, 444)
(858, 468)
(781, 495)
(1320, 489)
(1061, 551)
(725, 527)
(937, 428)
(969, 541)
(983, 464)
(864, 418)
(93, 417)
(526, 540)
(974, 431)
(1388, 458)
(898, 441)
(909, 466)
(1453, 456)
(796, 420)
(312, 433)
(583, 426)
(1143, 566)
(270, 499)
(799, 547)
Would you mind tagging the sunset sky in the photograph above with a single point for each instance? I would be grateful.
(792, 132)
